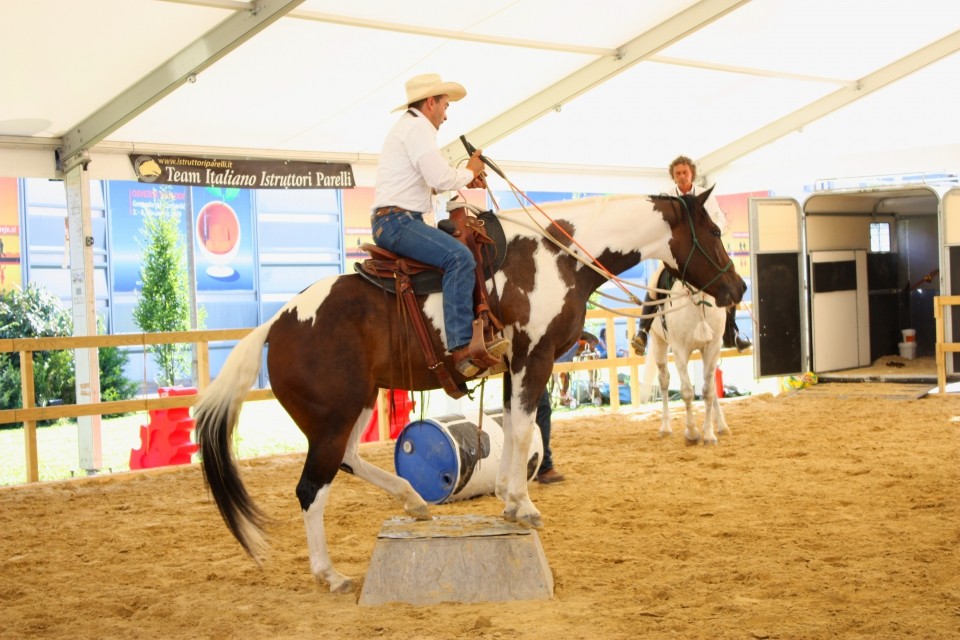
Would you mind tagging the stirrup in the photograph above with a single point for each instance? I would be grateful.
(468, 363)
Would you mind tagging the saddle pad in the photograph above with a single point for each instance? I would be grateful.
(430, 281)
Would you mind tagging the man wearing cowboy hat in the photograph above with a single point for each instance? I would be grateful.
(410, 169)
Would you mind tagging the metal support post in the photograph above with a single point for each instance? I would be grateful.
(83, 303)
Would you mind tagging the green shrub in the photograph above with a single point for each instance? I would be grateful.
(35, 313)
(113, 384)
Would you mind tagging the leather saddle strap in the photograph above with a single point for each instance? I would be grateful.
(409, 297)
(470, 231)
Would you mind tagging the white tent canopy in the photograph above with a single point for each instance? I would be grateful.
(567, 94)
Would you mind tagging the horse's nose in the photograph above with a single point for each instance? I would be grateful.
(736, 292)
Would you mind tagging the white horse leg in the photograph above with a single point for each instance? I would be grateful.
(658, 352)
(709, 402)
(393, 484)
(722, 427)
(718, 420)
(506, 458)
(682, 359)
(320, 565)
(517, 506)
(714, 413)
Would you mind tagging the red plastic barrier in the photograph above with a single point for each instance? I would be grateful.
(718, 381)
(400, 407)
(166, 440)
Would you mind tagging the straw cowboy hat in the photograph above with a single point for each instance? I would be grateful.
(430, 84)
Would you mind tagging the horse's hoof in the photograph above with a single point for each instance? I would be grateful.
(510, 515)
(419, 512)
(665, 434)
(530, 521)
(343, 585)
(691, 442)
(338, 582)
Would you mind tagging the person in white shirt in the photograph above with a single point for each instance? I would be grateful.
(683, 172)
(409, 172)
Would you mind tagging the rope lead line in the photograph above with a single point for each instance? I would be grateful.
(595, 264)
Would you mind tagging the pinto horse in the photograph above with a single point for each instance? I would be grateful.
(333, 345)
(688, 324)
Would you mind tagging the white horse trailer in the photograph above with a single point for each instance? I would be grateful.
(836, 281)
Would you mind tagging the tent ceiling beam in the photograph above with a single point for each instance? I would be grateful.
(830, 103)
(30, 142)
(553, 97)
(237, 153)
(179, 69)
(749, 71)
(366, 159)
(417, 30)
(451, 34)
(358, 159)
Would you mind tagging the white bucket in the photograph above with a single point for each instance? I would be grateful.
(909, 335)
(450, 458)
(908, 350)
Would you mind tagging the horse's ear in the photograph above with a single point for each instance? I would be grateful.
(702, 197)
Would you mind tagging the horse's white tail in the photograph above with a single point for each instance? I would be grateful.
(216, 414)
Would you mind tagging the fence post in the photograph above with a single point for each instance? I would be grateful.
(29, 426)
(203, 364)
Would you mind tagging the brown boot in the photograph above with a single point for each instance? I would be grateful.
(550, 476)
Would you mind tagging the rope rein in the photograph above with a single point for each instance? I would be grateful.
(667, 296)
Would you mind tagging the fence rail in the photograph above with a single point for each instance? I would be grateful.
(943, 347)
(29, 413)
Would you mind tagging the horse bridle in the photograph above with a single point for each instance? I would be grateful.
(698, 247)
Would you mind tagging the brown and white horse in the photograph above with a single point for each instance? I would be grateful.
(334, 344)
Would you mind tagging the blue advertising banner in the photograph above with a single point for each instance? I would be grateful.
(223, 238)
(129, 201)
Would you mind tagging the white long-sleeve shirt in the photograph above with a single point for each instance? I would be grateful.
(411, 167)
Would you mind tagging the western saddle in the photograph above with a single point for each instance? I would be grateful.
(408, 278)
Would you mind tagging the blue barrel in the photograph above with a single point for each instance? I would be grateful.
(450, 458)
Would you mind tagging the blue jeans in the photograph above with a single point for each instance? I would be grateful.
(405, 233)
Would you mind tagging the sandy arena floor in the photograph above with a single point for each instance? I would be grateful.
(818, 517)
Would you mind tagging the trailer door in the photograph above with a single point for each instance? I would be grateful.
(839, 310)
(778, 279)
(950, 269)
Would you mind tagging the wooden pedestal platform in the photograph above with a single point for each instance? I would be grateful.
(456, 559)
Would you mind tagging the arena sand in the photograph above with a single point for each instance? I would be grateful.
(817, 518)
